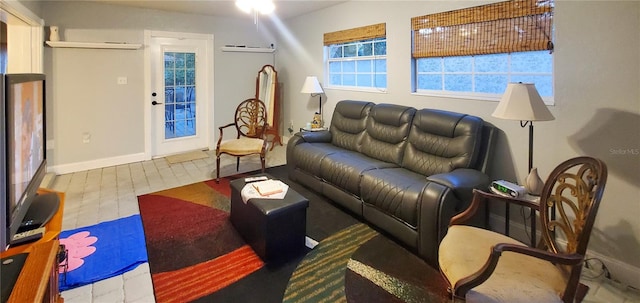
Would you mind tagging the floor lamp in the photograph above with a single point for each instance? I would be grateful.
(521, 101)
(312, 86)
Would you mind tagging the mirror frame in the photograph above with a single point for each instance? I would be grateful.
(267, 91)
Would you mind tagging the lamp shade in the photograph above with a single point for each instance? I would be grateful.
(521, 101)
(311, 86)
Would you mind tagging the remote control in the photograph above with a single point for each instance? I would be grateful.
(27, 236)
(254, 179)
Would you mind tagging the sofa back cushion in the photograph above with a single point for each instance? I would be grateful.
(348, 123)
(386, 133)
(441, 141)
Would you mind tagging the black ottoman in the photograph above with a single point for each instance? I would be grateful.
(274, 228)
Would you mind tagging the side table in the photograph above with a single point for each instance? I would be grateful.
(274, 228)
(532, 214)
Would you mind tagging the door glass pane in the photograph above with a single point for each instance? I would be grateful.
(180, 94)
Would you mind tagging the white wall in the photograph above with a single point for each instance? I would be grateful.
(82, 86)
(597, 100)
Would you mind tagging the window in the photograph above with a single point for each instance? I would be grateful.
(485, 74)
(180, 94)
(478, 50)
(357, 58)
(361, 64)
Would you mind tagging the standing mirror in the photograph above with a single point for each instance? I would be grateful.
(267, 92)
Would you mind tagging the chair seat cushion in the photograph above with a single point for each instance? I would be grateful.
(242, 146)
(517, 277)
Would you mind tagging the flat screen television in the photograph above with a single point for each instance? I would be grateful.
(23, 156)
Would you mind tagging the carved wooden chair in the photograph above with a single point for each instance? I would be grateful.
(250, 123)
(485, 266)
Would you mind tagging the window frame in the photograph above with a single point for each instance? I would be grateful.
(357, 58)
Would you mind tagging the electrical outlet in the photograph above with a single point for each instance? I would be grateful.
(86, 137)
(291, 124)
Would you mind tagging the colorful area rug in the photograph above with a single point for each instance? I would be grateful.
(101, 251)
(380, 270)
(193, 249)
(358, 264)
(191, 245)
(320, 276)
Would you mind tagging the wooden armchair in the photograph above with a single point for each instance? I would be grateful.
(250, 125)
(485, 266)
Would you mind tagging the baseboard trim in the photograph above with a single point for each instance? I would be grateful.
(48, 180)
(285, 139)
(99, 163)
(625, 274)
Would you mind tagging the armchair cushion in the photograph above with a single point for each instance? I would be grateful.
(465, 250)
(242, 146)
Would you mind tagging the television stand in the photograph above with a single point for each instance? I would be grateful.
(38, 278)
(41, 210)
(11, 267)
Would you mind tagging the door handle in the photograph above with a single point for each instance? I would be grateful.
(155, 103)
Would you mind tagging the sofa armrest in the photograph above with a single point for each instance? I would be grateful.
(462, 181)
(301, 138)
(323, 136)
(446, 195)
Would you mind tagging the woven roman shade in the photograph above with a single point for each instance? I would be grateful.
(503, 27)
(356, 34)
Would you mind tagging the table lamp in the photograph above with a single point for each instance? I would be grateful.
(312, 86)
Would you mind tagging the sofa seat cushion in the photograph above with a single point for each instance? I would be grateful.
(309, 156)
(395, 191)
(345, 168)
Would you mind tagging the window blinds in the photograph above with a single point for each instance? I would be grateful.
(504, 27)
(356, 34)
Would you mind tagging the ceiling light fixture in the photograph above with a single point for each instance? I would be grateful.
(256, 7)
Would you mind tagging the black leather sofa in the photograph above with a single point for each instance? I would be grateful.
(403, 170)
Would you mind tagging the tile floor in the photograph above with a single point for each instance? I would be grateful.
(109, 193)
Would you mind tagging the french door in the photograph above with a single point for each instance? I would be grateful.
(179, 73)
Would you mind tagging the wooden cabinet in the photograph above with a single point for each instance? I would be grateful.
(38, 279)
